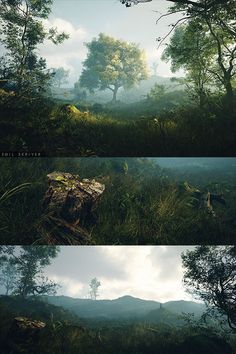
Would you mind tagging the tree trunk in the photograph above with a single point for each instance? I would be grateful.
(202, 98)
(114, 98)
(229, 90)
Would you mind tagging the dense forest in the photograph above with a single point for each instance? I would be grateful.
(120, 106)
(117, 201)
(33, 321)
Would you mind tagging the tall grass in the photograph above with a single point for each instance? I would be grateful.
(141, 129)
(142, 204)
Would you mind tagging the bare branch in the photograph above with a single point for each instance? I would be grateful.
(167, 14)
(180, 21)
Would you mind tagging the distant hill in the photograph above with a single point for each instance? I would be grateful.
(163, 316)
(203, 162)
(182, 306)
(124, 307)
(14, 306)
(159, 331)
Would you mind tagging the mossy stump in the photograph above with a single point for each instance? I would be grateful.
(68, 201)
(23, 333)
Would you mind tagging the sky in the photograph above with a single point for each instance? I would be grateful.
(85, 19)
(147, 272)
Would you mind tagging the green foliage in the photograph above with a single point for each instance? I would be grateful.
(64, 332)
(9, 193)
(142, 204)
(157, 93)
(199, 122)
(210, 274)
(170, 127)
(29, 262)
(112, 64)
(191, 48)
(205, 47)
(22, 31)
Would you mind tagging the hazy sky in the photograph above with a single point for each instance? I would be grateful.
(85, 19)
(147, 272)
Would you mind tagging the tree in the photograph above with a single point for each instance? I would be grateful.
(214, 21)
(8, 277)
(198, 4)
(112, 64)
(225, 42)
(154, 68)
(29, 262)
(210, 275)
(60, 77)
(190, 48)
(22, 31)
(94, 285)
(157, 93)
(79, 92)
(201, 4)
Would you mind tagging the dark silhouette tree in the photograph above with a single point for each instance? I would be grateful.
(210, 275)
(22, 31)
(213, 49)
(29, 262)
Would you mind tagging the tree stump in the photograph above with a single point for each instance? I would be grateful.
(24, 334)
(211, 198)
(68, 201)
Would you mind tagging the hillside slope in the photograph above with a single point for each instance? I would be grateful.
(123, 307)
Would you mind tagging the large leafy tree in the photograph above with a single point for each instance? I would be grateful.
(210, 275)
(216, 24)
(22, 30)
(29, 262)
(190, 48)
(112, 64)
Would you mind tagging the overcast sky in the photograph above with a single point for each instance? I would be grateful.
(85, 19)
(147, 272)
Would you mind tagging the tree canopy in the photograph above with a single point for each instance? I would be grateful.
(112, 64)
(210, 275)
(204, 44)
(29, 262)
(22, 30)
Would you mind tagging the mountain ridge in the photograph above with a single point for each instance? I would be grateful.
(125, 306)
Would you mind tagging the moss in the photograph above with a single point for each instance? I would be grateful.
(73, 109)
